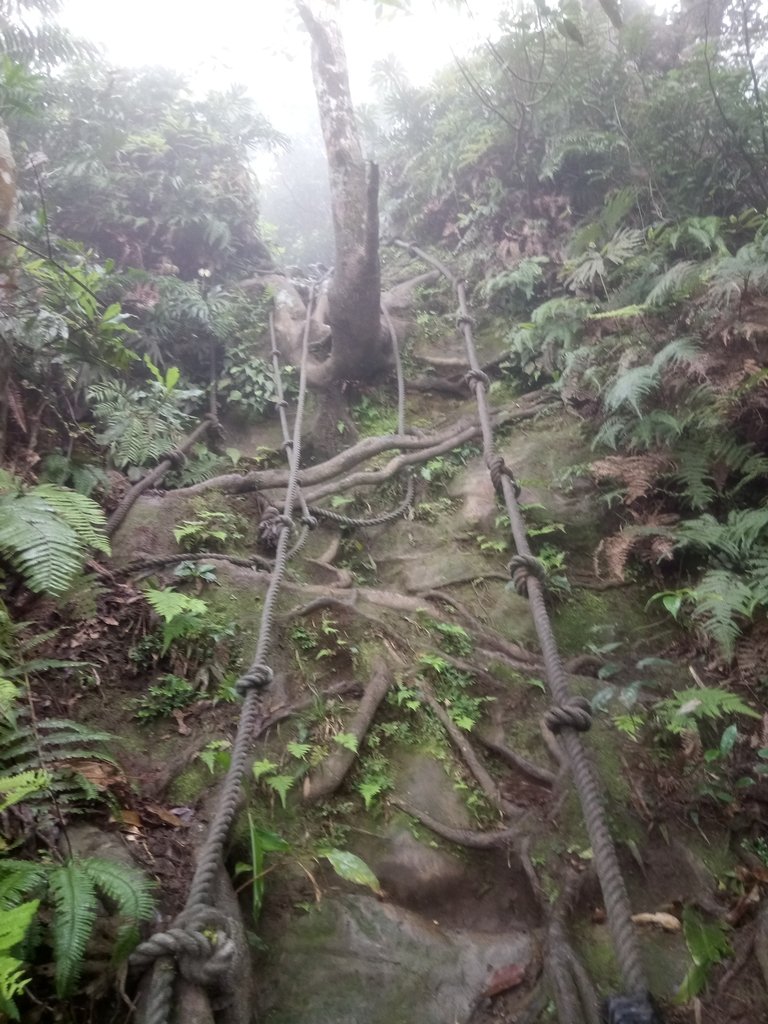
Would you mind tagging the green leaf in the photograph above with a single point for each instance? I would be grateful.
(728, 739)
(169, 604)
(74, 899)
(280, 784)
(260, 768)
(298, 750)
(347, 740)
(351, 868)
(14, 924)
(370, 790)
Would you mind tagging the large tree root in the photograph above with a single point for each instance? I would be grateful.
(513, 652)
(156, 475)
(343, 688)
(503, 837)
(323, 782)
(542, 776)
(421, 448)
(505, 808)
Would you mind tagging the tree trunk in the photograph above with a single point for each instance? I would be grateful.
(360, 349)
(8, 204)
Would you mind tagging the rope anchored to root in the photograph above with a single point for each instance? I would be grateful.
(569, 716)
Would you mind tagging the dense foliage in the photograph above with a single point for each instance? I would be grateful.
(600, 179)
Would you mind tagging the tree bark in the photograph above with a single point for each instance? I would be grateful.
(8, 207)
(360, 348)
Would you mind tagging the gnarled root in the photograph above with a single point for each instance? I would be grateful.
(503, 837)
(323, 782)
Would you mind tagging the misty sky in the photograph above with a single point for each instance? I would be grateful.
(263, 46)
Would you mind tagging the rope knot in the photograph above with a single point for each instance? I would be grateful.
(575, 714)
(280, 403)
(464, 318)
(258, 677)
(309, 521)
(271, 525)
(498, 468)
(473, 378)
(201, 943)
(521, 567)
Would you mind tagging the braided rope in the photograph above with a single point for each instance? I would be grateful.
(569, 714)
(410, 487)
(380, 520)
(180, 948)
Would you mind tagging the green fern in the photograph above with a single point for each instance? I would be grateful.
(720, 600)
(634, 385)
(694, 472)
(46, 531)
(20, 786)
(35, 762)
(676, 282)
(734, 540)
(73, 890)
(688, 707)
(140, 424)
(73, 896)
(579, 144)
(14, 924)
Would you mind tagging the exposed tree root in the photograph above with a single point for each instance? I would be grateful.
(331, 553)
(542, 776)
(761, 942)
(316, 604)
(438, 384)
(154, 476)
(513, 652)
(479, 577)
(554, 748)
(173, 768)
(324, 782)
(343, 577)
(461, 836)
(421, 448)
(472, 761)
(147, 565)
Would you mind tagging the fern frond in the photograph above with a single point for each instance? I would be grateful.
(20, 786)
(74, 899)
(720, 598)
(14, 924)
(694, 472)
(80, 512)
(128, 888)
(18, 878)
(677, 281)
(631, 387)
(39, 544)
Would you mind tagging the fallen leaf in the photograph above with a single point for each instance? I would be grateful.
(99, 773)
(504, 979)
(166, 816)
(666, 921)
(123, 816)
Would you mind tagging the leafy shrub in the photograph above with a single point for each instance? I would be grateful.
(46, 531)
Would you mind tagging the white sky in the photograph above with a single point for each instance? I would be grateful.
(261, 44)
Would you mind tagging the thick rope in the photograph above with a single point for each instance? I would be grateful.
(404, 506)
(257, 677)
(568, 715)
